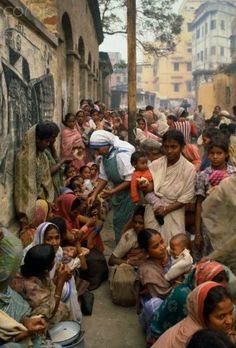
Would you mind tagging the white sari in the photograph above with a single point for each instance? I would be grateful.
(173, 184)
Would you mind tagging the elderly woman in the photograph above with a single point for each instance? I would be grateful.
(173, 182)
(15, 313)
(116, 168)
(33, 179)
(209, 306)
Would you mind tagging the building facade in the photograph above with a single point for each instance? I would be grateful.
(49, 60)
(170, 77)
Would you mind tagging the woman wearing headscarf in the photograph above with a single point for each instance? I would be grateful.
(209, 306)
(33, 179)
(116, 168)
(174, 309)
(48, 233)
(15, 322)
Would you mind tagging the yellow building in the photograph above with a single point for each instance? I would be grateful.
(171, 77)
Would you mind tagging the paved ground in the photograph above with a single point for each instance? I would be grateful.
(111, 326)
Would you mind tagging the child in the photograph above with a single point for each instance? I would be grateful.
(69, 172)
(85, 173)
(74, 256)
(182, 260)
(218, 150)
(207, 135)
(93, 172)
(142, 174)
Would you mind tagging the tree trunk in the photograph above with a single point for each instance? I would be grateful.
(131, 37)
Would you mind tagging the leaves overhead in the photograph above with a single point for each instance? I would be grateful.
(158, 26)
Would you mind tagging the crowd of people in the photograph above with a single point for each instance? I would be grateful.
(168, 195)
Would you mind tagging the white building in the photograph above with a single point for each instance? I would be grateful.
(212, 30)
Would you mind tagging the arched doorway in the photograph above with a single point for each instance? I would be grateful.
(83, 72)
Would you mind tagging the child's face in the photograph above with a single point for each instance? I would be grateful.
(70, 123)
(93, 171)
(86, 173)
(71, 172)
(116, 123)
(205, 141)
(80, 118)
(95, 117)
(176, 248)
(142, 164)
(217, 157)
(71, 251)
(138, 223)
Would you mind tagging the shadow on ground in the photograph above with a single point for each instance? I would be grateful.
(111, 326)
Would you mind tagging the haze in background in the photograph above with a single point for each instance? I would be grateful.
(117, 43)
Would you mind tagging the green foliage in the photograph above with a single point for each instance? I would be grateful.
(158, 26)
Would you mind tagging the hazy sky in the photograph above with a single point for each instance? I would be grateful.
(117, 43)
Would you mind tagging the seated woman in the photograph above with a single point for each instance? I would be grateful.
(154, 288)
(174, 309)
(15, 313)
(126, 256)
(35, 286)
(48, 233)
(209, 306)
(69, 207)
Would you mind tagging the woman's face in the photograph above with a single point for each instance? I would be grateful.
(172, 150)
(70, 123)
(138, 223)
(222, 316)
(141, 125)
(102, 150)
(156, 247)
(42, 144)
(52, 237)
(80, 118)
(217, 157)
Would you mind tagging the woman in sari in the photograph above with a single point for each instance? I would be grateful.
(33, 179)
(143, 132)
(48, 233)
(72, 145)
(115, 167)
(174, 309)
(173, 182)
(209, 306)
(154, 288)
(15, 313)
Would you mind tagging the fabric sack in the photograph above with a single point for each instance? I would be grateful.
(87, 300)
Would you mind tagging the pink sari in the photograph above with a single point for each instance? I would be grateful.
(71, 140)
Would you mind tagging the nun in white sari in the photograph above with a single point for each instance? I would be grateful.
(69, 292)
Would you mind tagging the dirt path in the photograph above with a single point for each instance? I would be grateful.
(111, 326)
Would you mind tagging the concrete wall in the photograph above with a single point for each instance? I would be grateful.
(221, 90)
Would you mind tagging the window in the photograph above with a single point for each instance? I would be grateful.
(189, 66)
(176, 87)
(222, 25)
(117, 79)
(176, 66)
(206, 28)
(189, 27)
(222, 51)
(205, 53)
(213, 50)
(213, 24)
(198, 33)
(202, 56)
(198, 57)
(189, 50)
(189, 86)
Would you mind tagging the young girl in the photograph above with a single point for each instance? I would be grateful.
(72, 142)
(85, 173)
(217, 155)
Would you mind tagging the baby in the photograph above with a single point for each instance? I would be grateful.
(73, 256)
(182, 260)
(142, 174)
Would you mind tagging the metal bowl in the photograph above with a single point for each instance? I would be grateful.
(65, 332)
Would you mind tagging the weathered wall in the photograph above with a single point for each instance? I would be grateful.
(27, 89)
(221, 90)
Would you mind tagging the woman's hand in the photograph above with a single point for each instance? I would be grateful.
(161, 211)
(91, 200)
(35, 325)
(64, 273)
(107, 193)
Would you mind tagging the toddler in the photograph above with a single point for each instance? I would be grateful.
(142, 174)
(85, 173)
(182, 260)
(73, 256)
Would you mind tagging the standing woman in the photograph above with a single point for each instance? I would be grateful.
(33, 179)
(115, 167)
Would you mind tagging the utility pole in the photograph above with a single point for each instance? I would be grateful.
(131, 38)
